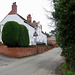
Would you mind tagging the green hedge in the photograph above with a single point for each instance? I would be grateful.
(15, 35)
(23, 36)
(10, 33)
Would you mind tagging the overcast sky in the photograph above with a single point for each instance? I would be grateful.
(25, 7)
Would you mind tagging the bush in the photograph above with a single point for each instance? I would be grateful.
(65, 70)
(69, 53)
(10, 33)
(70, 73)
(23, 40)
(15, 35)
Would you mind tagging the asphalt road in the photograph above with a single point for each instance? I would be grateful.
(5, 60)
(42, 64)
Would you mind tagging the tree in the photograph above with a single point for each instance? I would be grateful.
(65, 17)
(53, 32)
(47, 34)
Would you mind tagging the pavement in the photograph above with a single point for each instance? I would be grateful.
(42, 64)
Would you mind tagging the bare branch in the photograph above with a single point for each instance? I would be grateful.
(51, 18)
(48, 11)
(51, 25)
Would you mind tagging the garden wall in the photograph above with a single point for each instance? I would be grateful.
(22, 52)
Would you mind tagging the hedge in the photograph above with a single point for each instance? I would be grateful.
(10, 33)
(15, 35)
(23, 36)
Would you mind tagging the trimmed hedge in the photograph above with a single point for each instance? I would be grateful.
(23, 36)
(10, 33)
(15, 35)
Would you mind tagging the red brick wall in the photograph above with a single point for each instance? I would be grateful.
(55, 45)
(51, 42)
(22, 52)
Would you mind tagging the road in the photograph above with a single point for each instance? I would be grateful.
(42, 64)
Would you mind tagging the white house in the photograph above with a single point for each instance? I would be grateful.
(14, 16)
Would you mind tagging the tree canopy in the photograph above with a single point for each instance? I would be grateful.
(64, 16)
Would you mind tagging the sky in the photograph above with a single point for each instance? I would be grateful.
(33, 7)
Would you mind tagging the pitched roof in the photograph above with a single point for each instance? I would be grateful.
(31, 24)
(26, 21)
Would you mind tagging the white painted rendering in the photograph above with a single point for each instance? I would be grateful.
(40, 38)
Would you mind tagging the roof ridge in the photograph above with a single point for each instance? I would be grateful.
(26, 21)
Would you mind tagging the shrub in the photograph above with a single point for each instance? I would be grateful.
(15, 35)
(64, 65)
(23, 40)
(10, 33)
(70, 73)
(65, 70)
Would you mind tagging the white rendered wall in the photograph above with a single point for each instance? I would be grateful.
(41, 37)
(12, 18)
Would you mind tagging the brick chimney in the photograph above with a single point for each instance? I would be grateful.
(35, 23)
(14, 9)
(29, 18)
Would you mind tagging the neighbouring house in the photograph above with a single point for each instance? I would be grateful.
(31, 26)
(51, 40)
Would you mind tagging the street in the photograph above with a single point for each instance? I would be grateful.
(42, 64)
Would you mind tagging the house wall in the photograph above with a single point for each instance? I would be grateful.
(40, 38)
(51, 42)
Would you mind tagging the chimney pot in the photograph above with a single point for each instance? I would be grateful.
(29, 18)
(14, 3)
(35, 23)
